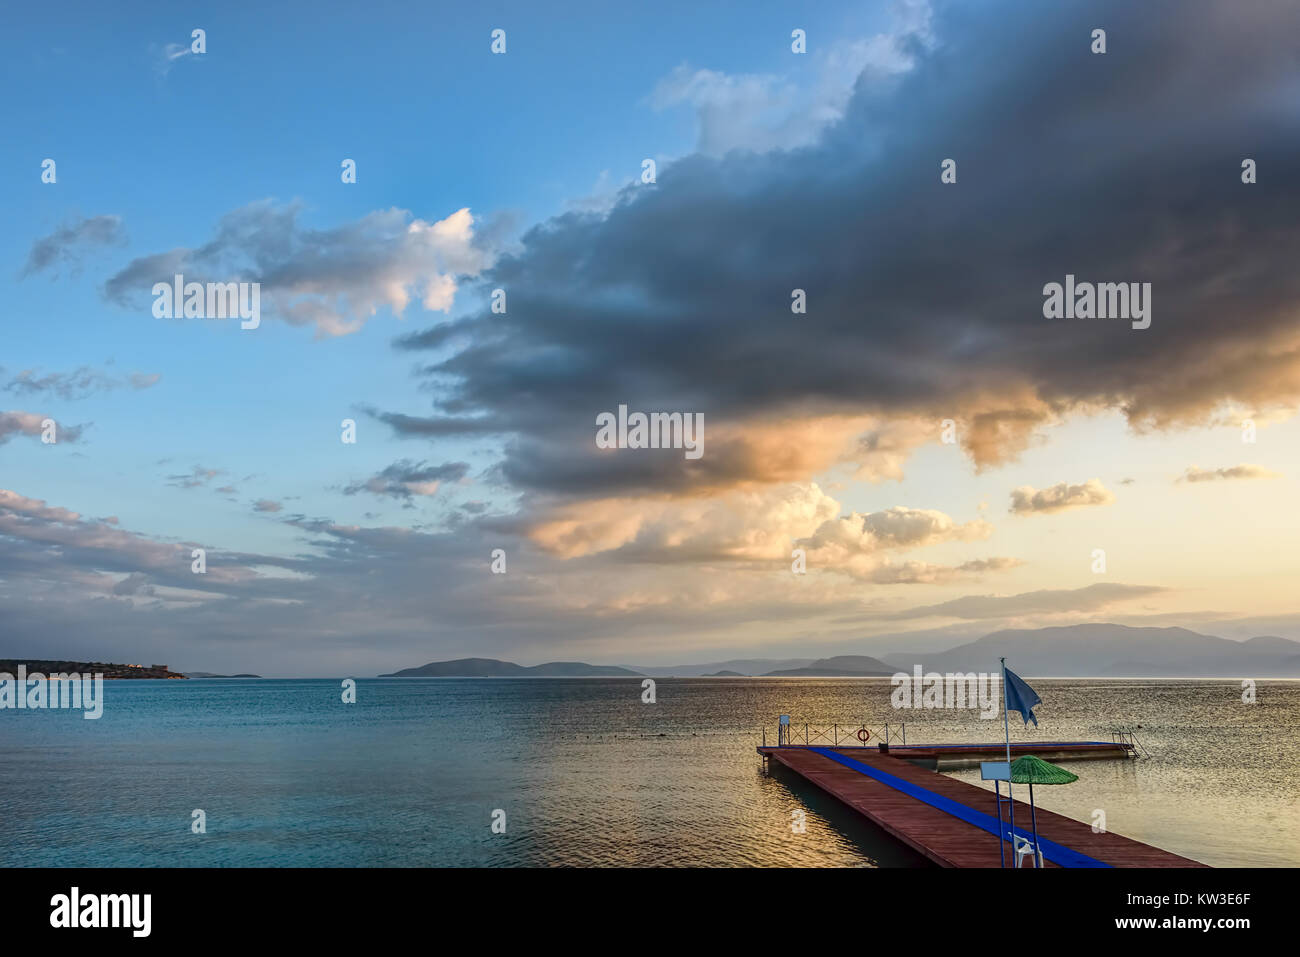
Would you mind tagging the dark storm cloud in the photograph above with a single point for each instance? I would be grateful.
(924, 299)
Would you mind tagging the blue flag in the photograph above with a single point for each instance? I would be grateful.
(1020, 697)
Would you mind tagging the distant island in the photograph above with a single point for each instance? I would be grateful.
(492, 668)
(1095, 650)
(856, 666)
(208, 674)
(1117, 651)
(109, 670)
(1092, 650)
(841, 666)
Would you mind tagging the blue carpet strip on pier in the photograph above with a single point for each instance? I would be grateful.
(1056, 853)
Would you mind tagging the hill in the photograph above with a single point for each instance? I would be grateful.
(208, 674)
(492, 668)
(110, 670)
(739, 666)
(1110, 650)
(840, 666)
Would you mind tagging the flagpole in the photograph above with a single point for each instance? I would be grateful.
(1006, 730)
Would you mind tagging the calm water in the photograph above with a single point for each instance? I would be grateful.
(587, 774)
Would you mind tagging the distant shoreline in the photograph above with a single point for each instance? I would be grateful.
(37, 669)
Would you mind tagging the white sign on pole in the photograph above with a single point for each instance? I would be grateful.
(995, 770)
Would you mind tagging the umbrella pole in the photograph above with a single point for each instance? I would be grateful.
(1033, 813)
(1002, 847)
(1006, 729)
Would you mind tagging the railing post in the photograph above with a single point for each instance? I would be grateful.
(886, 732)
(904, 734)
(805, 735)
(835, 734)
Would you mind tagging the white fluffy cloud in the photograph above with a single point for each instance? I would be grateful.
(756, 525)
(1027, 500)
(856, 544)
(18, 422)
(766, 111)
(334, 279)
(1244, 471)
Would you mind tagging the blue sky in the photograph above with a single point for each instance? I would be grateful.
(776, 170)
(282, 95)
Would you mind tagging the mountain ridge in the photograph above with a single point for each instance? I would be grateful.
(838, 666)
(495, 668)
(1111, 650)
(1092, 650)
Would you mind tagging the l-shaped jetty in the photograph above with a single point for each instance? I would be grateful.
(953, 823)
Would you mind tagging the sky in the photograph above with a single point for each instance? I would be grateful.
(918, 457)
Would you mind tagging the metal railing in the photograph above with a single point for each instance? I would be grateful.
(1126, 737)
(838, 735)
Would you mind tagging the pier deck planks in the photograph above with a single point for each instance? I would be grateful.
(942, 838)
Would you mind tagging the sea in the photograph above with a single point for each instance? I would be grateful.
(487, 772)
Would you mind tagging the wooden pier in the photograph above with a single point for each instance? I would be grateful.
(951, 822)
(943, 757)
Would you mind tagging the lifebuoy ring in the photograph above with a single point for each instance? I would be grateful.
(863, 734)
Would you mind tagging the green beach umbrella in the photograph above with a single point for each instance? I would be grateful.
(1032, 770)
